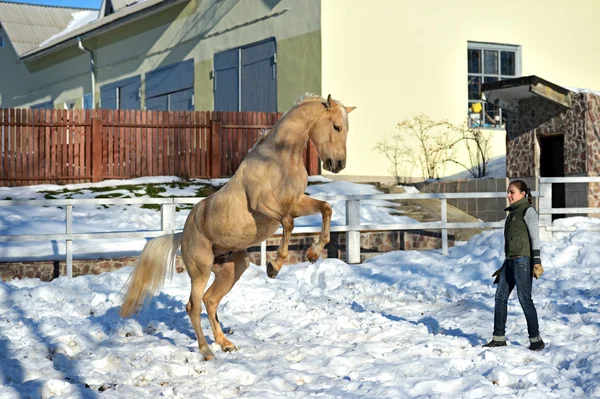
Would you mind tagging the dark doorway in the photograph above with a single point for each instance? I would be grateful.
(552, 163)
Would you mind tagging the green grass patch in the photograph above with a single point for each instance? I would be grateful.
(112, 195)
(152, 190)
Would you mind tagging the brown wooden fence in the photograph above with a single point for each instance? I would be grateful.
(76, 146)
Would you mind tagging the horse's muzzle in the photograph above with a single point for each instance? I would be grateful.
(334, 166)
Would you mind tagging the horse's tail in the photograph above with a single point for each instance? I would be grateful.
(157, 258)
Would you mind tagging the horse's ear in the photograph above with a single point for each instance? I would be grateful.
(329, 103)
(350, 109)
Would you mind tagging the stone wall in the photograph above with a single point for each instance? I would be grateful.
(486, 209)
(371, 243)
(581, 128)
(378, 242)
(46, 271)
(542, 117)
(593, 148)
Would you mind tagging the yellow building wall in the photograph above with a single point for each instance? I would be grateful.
(398, 58)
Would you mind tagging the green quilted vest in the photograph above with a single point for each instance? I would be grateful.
(516, 236)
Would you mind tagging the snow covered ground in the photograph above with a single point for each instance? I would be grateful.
(400, 325)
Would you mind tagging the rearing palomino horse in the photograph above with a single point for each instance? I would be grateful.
(266, 191)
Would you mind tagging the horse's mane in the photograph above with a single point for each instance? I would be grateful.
(297, 102)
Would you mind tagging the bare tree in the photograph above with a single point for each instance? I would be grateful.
(399, 156)
(437, 143)
(477, 142)
(434, 149)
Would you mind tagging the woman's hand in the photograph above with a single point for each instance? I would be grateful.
(537, 270)
(497, 275)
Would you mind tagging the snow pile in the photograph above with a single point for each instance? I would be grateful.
(401, 325)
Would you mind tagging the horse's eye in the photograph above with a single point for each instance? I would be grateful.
(337, 128)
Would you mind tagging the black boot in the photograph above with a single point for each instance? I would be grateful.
(493, 343)
(537, 346)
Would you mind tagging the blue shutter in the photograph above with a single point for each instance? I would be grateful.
(259, 78)
(182, 100)
(175, 81)
(108, 97)
(160, 103)
(87, 101)
(170, 79)
(129, 94)
(44, 105)
(226, 78)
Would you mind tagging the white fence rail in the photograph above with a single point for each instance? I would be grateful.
(352, 228)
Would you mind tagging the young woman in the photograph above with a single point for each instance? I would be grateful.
(522, 249)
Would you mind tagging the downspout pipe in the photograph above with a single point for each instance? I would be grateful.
(92, 69)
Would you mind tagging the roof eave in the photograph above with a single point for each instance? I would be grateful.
(73, 37)
(508, 93)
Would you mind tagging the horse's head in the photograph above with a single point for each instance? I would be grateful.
(329, 134)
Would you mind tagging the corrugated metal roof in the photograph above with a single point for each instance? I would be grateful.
(28, 25)
(63, 36)
(108, 21)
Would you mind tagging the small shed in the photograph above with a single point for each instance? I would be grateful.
(551, 131)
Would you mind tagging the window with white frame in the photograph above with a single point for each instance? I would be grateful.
(489, 63)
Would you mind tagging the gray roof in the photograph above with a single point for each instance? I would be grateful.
(42, 45)
(28, 25)
(118, 4)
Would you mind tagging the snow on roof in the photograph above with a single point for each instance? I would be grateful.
(27, 25)
(580, 90)
(80, 18)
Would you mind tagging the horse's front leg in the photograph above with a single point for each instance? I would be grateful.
(273, 268)
(309, 206)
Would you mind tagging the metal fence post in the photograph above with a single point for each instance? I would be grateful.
(444, 203)
(545, 205)
(263, 253)
(167, 216)
(69, 242)
(353, 235)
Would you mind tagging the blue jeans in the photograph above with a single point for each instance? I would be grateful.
(515, 272)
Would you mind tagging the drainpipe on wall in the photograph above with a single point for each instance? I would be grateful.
(92, 69)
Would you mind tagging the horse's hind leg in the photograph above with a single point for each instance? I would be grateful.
(194, 310)
(198, 259)
(226, 276)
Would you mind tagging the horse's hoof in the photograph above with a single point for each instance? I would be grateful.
(232, 348)
(271, 271)
(208, 355)
(311, 255)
